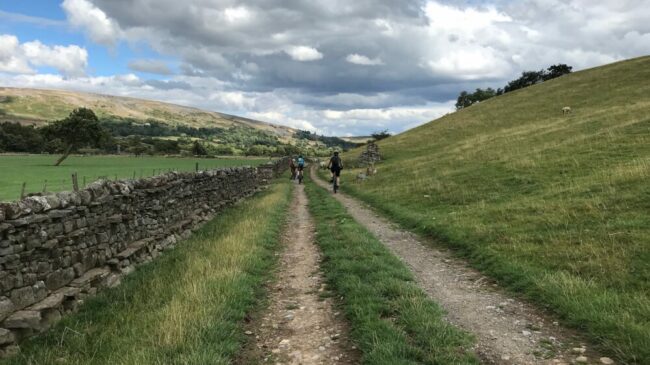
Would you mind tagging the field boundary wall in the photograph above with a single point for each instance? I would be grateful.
(57, 249)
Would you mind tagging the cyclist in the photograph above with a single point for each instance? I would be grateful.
(301, 166)
(293, 166)
(335, 166)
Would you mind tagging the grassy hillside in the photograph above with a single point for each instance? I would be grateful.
(556, 207)
(38, 106)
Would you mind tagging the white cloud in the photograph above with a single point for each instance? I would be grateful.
(363, 60)
(100, 28)
(280, 118)
(232, 100)
(303, 53)
(470, 64)
(70, 61)
(11, 58)
(237, 15)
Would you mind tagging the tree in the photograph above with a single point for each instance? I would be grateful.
(80, 129)
(557, 71)
(198, 149)
(378, 136)
(527, 78)
(465, 99)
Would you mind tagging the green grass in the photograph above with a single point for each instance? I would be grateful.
(555, 207)
(35, 169)
(186, 307)
(392, 320)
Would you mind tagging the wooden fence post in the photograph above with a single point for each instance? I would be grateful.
(75, 182)
(45, 186)
(22, 191)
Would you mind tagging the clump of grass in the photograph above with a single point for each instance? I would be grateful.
(392, 320)
(186, 307)
(555, 207)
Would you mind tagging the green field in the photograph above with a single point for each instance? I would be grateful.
(186, 307)
(555, 207)
(35, 169)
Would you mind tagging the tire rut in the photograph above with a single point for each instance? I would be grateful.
(507, 330)
(301, 324)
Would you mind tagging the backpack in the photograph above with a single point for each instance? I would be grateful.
(301, 162)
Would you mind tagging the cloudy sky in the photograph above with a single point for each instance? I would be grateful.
(338, 67)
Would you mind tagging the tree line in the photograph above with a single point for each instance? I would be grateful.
(527, 78)
(83, 132)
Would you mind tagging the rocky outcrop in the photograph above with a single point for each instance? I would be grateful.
(57, 249)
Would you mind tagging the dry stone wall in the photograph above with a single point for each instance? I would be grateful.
(57, 249)
(370, 155)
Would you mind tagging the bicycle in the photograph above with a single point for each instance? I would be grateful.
(300, 176)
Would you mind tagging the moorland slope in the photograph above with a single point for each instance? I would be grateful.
(36, 106)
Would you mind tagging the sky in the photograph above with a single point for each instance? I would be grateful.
(335, 67)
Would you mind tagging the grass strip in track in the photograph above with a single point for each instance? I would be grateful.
(186, 307)
(392, 320)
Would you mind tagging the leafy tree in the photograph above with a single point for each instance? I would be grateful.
(221, 150)
(18, 138)
(527, 78)
(80, 129)
(557, 71)
(378, 136)
(198, 149)
(466, 99)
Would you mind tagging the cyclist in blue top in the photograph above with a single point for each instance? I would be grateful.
(301, 167)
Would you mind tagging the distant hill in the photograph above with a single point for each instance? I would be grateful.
(35, 106)
(357, 139)
(555, 206)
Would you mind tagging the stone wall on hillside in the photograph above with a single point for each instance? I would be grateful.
(370, 155)
(57, 249)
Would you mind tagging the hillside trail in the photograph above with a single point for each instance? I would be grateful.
(507, 330)
(300, 324)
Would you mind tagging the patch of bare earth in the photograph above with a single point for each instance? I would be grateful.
(301, 324)
(507, 330)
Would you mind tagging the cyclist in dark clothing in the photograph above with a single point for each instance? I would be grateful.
(335, 166)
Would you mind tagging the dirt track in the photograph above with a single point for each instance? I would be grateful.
(300, 325)
(507, 330)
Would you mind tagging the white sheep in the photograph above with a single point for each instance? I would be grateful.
(566, 110)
